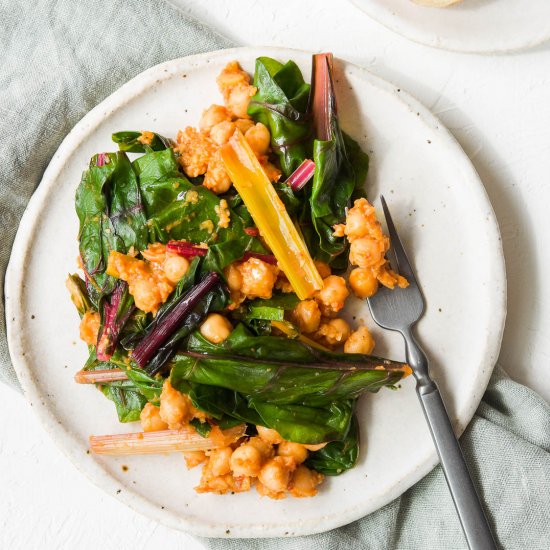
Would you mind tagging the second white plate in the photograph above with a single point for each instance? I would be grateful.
(473, 26)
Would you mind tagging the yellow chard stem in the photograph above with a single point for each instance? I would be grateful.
(270, 216)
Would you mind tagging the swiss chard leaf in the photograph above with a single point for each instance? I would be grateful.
(96, 235)
(203, 428)
(303, 424)
(282, 371)
(128, 401)
(338, 456)
(179, 210)
(140, 142)
(281, 104)
(110, 211)
(309, 425)
(340, 168)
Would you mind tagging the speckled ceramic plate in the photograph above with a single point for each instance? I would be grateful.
(473, 26)
(446, 221)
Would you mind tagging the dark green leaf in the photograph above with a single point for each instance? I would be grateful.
(131, 142)
(203, 428)
(281, 104)
(280, 370)
(338, 456)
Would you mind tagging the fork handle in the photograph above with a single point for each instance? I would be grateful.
(474, 523)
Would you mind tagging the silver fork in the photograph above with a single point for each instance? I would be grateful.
(399, 310)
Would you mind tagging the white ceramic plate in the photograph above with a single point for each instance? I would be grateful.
(446, 221)
(473, 26)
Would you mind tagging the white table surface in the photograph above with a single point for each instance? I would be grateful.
(498, 107)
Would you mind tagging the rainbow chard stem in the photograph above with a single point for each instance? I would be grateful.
(170, 324)
(298, 179)
(115, 314)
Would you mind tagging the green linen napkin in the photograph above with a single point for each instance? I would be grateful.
(59, 59)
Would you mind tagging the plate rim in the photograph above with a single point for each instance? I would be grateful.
(410, 32)
(66, 440)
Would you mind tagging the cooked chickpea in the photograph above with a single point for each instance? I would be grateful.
(216, 328)
(238, 100)
(275, 473)
(258, 278)
(293, 450)
(89, 327)
(332, 296)
(361, 221)
(194, 458)
(234, 277)
(216, 178)
(333, 332)
(259, 138)
(363, 283)
(212, 116)
(175, 267)
(268, 435)
(323, 269)
(150, 419)
(220, 461)
(221, 132)
(174, 406)
(145, 294)
(360, 341)
(307, 316)
(265, 449)
(366, 252)
(246, 460)
(244, 124)
(304, 482)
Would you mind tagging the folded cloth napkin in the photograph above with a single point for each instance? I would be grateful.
(60, 58)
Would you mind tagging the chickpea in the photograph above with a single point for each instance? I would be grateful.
(323, 269)
(275, 473)
(175, 267)
(360, 341)
(155, 253)
(366, 252)
(221, 132)
(332, 296)
(174, 406)
(333, 332)
(212, 116)
(259, 138)
(220, 461)
(238, 100)
(244, 124)
(246, 460)
(234, 278)
(151, 420)
(307, 316)
(194, 458)
(361, 221)
(265, 449)
(89, 327)
(216, 178)
(304, 482)
(295, 451)
(258, 278)
(269, 436)
(216, 328)
(363, 283)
